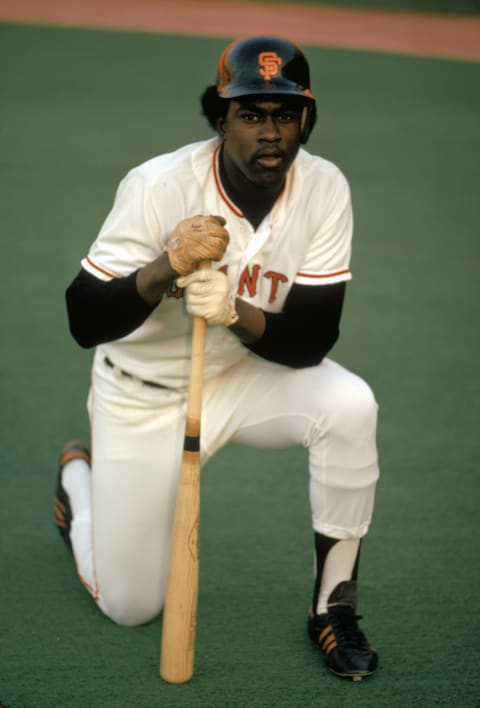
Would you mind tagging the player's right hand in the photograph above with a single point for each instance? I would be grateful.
(199, 238)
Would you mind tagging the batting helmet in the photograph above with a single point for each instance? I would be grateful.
(259, 66)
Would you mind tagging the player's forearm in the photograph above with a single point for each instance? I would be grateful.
(304, 333)
(250, 325)
(154, 279)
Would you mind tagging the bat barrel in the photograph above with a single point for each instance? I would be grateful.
(180, 610)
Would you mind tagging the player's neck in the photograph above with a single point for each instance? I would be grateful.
(253, 201)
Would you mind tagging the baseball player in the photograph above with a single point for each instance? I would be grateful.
(276, 222)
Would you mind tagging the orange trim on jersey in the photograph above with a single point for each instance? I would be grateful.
(326, 275)
(102, 270)
(216, 175)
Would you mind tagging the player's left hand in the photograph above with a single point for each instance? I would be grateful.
(208, 296)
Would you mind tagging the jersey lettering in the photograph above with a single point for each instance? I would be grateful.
(248, 281)
(276, 278)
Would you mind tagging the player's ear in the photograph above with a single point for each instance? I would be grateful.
(220, 126)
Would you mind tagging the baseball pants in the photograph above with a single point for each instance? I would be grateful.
(121, 543)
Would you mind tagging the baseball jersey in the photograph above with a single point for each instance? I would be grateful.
(305, 239)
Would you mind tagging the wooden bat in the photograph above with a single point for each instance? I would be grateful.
(180, 610)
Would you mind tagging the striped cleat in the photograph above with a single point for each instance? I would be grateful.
(347, 651)
(73, 450)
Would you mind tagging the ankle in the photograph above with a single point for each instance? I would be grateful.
(337, 562)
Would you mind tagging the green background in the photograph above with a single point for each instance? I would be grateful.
(78, 109)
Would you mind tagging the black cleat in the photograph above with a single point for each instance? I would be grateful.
(63, 511)
(336, 632)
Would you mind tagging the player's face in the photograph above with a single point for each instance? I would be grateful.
(262, 137)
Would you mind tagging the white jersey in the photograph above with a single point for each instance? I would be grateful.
(305, 239)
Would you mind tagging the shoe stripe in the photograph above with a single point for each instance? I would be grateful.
(327, 640)
(60, 506)
(60, 513)
(61, 516)
(324, 633)
(329, 645)
(61, 521)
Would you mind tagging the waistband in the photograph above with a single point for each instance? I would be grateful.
(152, 384)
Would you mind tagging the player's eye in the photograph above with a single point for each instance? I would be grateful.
(249, 117)
(287, 116)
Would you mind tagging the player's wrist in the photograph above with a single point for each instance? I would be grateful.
(154, 279)
(231, 315)
(250, 323)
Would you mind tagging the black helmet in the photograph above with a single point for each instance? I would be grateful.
(259, 65)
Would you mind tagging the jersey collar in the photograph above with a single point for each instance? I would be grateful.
(218, 183)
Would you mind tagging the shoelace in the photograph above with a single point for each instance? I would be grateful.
(345, 626)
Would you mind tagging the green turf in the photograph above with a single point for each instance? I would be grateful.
(77, 110)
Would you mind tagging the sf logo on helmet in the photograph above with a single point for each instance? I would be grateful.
(269, 64)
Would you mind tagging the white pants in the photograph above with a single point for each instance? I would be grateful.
(122, 546)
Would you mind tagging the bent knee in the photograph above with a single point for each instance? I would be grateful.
(356, 407)
(129, 608)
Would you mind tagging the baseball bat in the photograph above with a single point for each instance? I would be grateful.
(180, 609)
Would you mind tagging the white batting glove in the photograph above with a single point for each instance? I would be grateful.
(208, 296)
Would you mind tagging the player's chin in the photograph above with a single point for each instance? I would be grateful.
(268, 176)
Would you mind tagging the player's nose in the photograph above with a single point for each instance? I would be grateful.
(269, 129)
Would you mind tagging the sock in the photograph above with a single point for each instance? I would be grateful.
(76, 482)
(336, 560)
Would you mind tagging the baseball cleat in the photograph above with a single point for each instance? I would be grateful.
(336, 632)
(63, 512)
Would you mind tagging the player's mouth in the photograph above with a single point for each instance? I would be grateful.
(270, 159)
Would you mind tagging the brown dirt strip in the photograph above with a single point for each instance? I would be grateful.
(422, 34)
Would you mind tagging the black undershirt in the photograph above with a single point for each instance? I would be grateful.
(103, 311)
(307, 328)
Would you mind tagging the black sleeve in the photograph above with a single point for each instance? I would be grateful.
(101, 311)
(307, 328)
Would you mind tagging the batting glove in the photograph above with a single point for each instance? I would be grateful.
(199, 238)
(208, 296)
